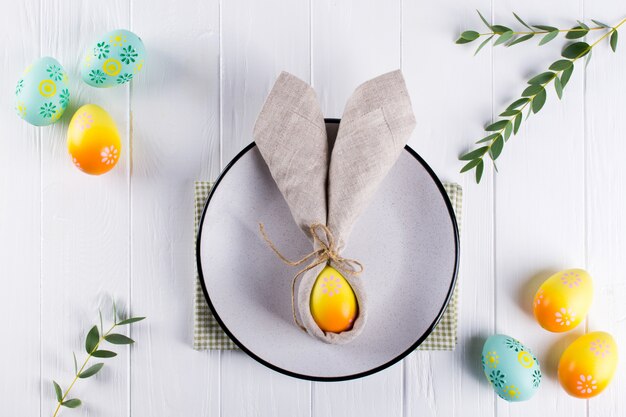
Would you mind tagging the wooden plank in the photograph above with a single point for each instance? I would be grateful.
(351, 43)
(259, 40)
(85, 219)
(20, 215)
(539, 206)
(175, 108)
(605, 176)
(452, 96)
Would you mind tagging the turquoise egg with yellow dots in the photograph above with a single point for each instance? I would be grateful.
(42, 92)
(113, 59)
(511, 368)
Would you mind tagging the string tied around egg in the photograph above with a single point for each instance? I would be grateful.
(327, 252)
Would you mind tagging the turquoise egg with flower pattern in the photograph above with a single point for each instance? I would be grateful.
(114, 59)
(511, 368)
(42, 92)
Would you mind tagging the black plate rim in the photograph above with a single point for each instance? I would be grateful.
(359, 374)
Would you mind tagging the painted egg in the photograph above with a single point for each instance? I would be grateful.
(93, 140)
(588, 364)
(511, 368)
(42, 93)
(114, 59)
(563, 300)
(333, 303)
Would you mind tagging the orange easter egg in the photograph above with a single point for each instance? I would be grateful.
(333, 302)
(93, 140)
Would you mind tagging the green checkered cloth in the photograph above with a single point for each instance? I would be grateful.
(207, 333)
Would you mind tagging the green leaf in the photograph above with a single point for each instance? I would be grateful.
(576, 50)
(504, 38)
(509, 113)
(483, 44)
(520, 39)
(73, 403)
(470, 35)
(103, 354)
(483, 19)
(507, 131)
(118, 339)
(519, 19)
(516, 123)
(531, 90)
(476, 153)
(499, 125)
(101, 325)
(614, 40)
(130, 320)
(561, 64)
(92, 370)
(471, 164)
(542, 78)
(462, 41)
(588, 58)
(75, 364)
(576, 32)
(583, 25)
(558, 87)
(565, 76)
(602, 25)
(539, 100)
(518, 103)
(546, 28)
(479, 171)
(114, 313)
(499, 29)
(488, 138)
(548, 37)
(93, 337)
(496, 148)
(58, 391)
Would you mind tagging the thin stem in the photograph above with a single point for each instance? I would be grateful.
(540, 32)
(102, 337)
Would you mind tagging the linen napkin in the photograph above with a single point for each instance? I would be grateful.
(208, 334)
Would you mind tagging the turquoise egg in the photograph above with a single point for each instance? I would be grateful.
(114, 59)
(511, 368)
(42, 93)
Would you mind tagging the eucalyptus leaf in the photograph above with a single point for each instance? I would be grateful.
(130, 320)
(561, 64)
(479, 171)
(509, 113)
(91, 371)
(588, 58)
(462, 41)
(507, 130)
(516, 123)
(558, 87)
(543, 78)
(103, 354)
(576, 32)
(499, 125)
(518, 103)
(476, 153)
(488, 138)
(539, 100)
(548, 37)
(583, 25)
(613, 40)
(75, 364)
(73, 403)
(602, 25)
(93, 337)
(519, 19)
(500, 29)
(470, 35)
(504, 38)
(531, 90)
(546, 28)
(496, 148)
(566, 75)
(520, 39)
(118, 339)
(483, 19)
(58, 391)
(471, 164)
(576, 50)
(483, 44)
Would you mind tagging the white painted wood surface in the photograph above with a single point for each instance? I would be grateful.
(68, 242)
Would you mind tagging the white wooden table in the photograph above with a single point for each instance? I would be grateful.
(70, 241)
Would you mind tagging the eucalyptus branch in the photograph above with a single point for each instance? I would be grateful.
(532, 98)
(92, 345)
(506, 36)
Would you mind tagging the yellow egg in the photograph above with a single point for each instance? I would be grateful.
(588, 364)
(333, 303)
(563, 300)
(93, 140)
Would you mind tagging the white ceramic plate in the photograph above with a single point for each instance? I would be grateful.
(407, 239)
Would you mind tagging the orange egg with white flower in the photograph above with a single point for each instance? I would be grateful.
(93, 140)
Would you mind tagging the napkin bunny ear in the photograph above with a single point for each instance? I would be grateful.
(291, 135)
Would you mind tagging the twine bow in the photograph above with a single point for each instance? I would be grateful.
(326, 253)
